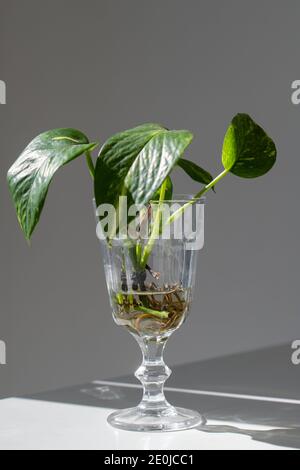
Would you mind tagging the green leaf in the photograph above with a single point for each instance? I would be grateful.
(194, 171)
(248, 151)
(136, 162)
(30, 176)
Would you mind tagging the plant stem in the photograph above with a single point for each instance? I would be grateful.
(138, 252)
(120, 298)
(90, 163)
(156, 227)
(156, 313)
(201, 193)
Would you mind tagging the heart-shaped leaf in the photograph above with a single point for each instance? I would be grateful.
(248, 151)
(136, 162)
(116, 157)
(30, 176)
(194, 171)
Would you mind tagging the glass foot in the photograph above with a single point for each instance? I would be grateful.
(170, 419)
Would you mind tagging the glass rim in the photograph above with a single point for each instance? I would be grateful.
(181, 198)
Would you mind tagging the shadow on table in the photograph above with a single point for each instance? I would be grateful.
(289, 437)
(267, 376)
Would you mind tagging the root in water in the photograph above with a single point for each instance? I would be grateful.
(154, 310)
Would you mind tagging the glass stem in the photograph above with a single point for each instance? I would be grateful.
(153, 374)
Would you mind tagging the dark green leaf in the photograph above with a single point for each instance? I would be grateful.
(116, 157)
(30, 176)
(136, 162)
(248, 151)
(194, 171)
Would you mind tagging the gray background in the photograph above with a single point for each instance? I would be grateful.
(105, 65)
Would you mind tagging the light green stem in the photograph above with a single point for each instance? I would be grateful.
(156, 227)
(90, 163)
(201, 193)
(156, 313)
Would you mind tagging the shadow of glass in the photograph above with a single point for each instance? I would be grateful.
(105, 393)
(289, 437)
